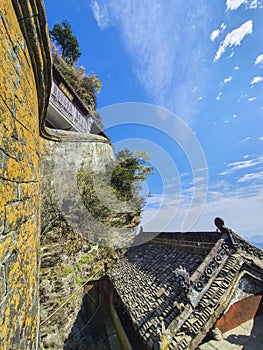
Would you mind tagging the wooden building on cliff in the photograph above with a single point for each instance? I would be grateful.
(66, 109)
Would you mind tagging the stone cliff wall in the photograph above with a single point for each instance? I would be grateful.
(69, 256)
(22, 89)
(61, 162)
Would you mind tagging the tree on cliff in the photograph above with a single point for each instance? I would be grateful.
(65, 53)
(67, 42)
(129, 171)
(112, 196)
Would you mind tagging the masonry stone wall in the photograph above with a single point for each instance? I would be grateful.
(19, 180)
(19, 200)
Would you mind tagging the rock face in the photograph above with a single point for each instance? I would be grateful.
(71, 240)
(103, 219)
(67, 261)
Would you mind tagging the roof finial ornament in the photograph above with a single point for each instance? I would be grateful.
(220, 224)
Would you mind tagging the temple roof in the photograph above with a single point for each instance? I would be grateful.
(175, 286)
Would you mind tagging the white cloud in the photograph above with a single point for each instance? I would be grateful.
(239, 202)
(251, 176)
(214, 34)
(168, 54)
(100, 14)
(251, 99)
(234, 116)
(231, 54)
(254, 4)
(236, 68)
(244, 164)
(234, 38)
(242, 213)
(234, 4)
(261, 138)
(227, 80)
(218, 97)
(256, 80)
(259, 59)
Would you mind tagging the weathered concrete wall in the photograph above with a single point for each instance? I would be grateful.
(19, 179)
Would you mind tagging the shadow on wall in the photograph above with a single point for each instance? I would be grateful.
(88, 331)
(252, 341)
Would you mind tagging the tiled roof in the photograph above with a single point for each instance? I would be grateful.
(176, 286)
(149, 290)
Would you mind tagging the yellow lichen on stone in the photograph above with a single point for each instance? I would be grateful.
(19, 186)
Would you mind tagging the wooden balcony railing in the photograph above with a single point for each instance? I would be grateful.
(81, 122)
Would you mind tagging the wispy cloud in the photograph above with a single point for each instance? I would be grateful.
(226, 197)
(251, 99)
(256, 80)
(251, 176)
(218, 97)
(244, 164)
(168, 53)
(233, 208)
(259, 60)
(246, 139)
(101, 15)
(234, 38)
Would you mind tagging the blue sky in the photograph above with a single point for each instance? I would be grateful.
(202, 62)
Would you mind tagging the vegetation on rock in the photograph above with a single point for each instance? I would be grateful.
(65, 52)
(112, 196)
(67, 42)
(129, 171)
(85, 86)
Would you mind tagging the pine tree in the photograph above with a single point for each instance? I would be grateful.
(62, 35)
